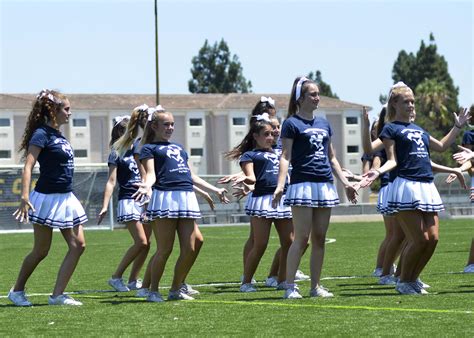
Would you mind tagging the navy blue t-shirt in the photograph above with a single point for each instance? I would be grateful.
(412, 150)
(468, 137)
(56, 161)
(127, 173)
(384, 178)
(136, 147)
(265, 166)
(309, 154)
(171, 166)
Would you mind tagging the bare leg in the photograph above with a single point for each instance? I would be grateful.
(261, 231)
(187, 240)
(76, 245)
(42, 242)
(471, 254)
(383, 245)
(319, 229)
(285, 230)
(393, 245)
(247, 247)
(198, 242)
(164, 230)
(431, 231)
(302, 222)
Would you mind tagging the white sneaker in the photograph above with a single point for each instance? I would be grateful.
(253, 281)
(388, 280)
(292, 293)
(300, 276)
(283, 286)
(63, 300)
(18, 298)
(154, 297)
(178, 295)
(271, 281)
(469, 268)
(118, 284)
(135, 285)
(405, 289)
(377, 272)
(417, 287)
(320, 291)
(248, 287)
(187, 289)
(142, 293)
(421, 284)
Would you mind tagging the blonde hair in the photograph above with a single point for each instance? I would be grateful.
(149, 133)
(395, 94)
(125, 142)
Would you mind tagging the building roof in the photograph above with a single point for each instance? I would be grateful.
(169, 101)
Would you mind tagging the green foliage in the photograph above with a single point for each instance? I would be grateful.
(215, 70)
(324, 88)
(435, 94)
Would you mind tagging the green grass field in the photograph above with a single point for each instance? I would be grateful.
(360, 306)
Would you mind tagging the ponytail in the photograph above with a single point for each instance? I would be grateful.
(126, 140)
(300, 86)
(248, 143)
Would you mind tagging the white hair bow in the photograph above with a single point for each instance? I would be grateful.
(268, 99)
(118, 119)
(143, 107)
(399, 84)
(46, 93)
(302, 80)
(264, 117)
(159, 108)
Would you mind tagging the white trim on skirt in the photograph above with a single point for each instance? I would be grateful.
(58, 210)
(173, 204)
(412, 195)
(312, 194)
(382, 201)
(128, 210)
(261, 206)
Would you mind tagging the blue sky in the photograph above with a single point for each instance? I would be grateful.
(107, 46)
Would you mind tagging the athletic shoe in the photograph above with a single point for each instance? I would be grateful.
(417, 287)
(421, 284)
(377, 272)
(388, 280)
(142, 293)
(135, 285)
(406, 289)
(118, 284)
(253, 281)
(283, 286)
(320, 291)
(469, 268)
(187, 289)
(300, 276)
(63, 300)
(154, 297)
(271, 281)
(292, 293)
(248, 287)
(19, 298)
(178, 295)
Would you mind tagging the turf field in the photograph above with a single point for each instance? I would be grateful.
(360, 306)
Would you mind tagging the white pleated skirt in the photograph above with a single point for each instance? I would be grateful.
(58, 210)
(412, 195)
(261, 206)
(128, 210)
(312, 194)
(173, 204)
(382, 200)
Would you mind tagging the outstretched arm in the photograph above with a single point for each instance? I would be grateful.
(459, 121)
(368, 145)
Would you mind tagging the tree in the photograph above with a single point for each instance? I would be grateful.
(426, 73)
(215, 70)
(324, 88)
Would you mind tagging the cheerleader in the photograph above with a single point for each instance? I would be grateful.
(259, 163)
(52, 204)
(124, 170)
(413, 196)
(173, 206)
(306, 142)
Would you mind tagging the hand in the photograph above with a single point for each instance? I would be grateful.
(451, 178)
(208, 199)
(21, 214)
(229, 178)
(141, 194)
(351, 193)
(102, 214)
(222, 197)
(462, 117)
(240, 190)
(365, 116)
(464, 155)
(369, 177)
(347, 173)
(277, 195)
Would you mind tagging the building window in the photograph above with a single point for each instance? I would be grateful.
(352, 120)
(5, 154)
(239, 133)
(352, 132)
(238, 121)
(195, 122)
(195, 134)
(79, 122)
(352, 149)
(4, 122)
(80, 153)
(79, 134)
(197, 151)
(352, 161)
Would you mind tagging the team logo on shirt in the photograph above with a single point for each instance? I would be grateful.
(174, 152)
(416, 135)
(65, 146)
(132, 165)
(272, 158)
(316, 140)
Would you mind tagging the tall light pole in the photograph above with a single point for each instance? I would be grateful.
(156, 55)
